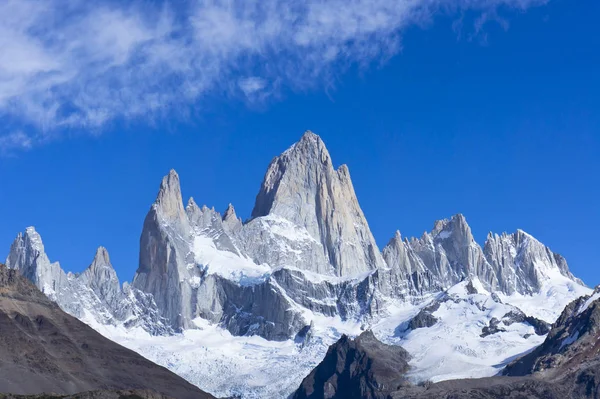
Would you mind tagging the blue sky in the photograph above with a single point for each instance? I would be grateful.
(489, 108)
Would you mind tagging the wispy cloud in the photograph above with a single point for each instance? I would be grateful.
(79, 65)
(17, 140)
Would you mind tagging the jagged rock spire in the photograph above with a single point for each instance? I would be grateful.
(164, 248)
(300, 165)
(229, 212)
(101, 277)
(169, 201)
(101, 259)
(230, 220)
(407, 274)
(27, 254)
(302, 186)
(509, 262)
(522, 263)
(456, 225)
(440, 258)
(193, 212)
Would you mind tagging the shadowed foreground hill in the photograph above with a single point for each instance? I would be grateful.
(357, 368)
(129, 394)
(43, 349)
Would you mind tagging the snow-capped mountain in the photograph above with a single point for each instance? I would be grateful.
(27, 254)
(94, 296)
(302, 270)
(522, 263)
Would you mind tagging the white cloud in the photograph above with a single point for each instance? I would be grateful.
(76, 64)
(252, 85)
(15, 141)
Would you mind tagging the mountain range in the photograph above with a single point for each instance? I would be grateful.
(303, 269)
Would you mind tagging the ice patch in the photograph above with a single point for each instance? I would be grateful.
(444, 234)
(195, 281)
(569, 340)
(587, 303)
(227, 264)
(284, 228)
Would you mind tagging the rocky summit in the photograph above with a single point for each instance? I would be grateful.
(303, 187)
(303, 269)
(357, 368)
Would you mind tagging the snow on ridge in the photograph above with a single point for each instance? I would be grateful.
(588, 302)
(227, 264)
(286, 229)
(556, 293)
(444, 234)
(454, 347)
(461, 288)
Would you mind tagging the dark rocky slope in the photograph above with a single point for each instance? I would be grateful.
(357, 368)
(127, 394)
(43, 349)
(573, 342)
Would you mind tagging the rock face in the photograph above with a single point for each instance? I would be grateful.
(455, 253)
(164, 250)
(197, 263)
(425, 317)
(302, 187)
(27, 255)
(185, 259)
(515, 263)
(44, 349)
(407, 275)
(231, 223)
(101, 278)
(357, 368)
(522, 263)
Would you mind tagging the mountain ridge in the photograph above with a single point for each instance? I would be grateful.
(306, 218)
(304, 267)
